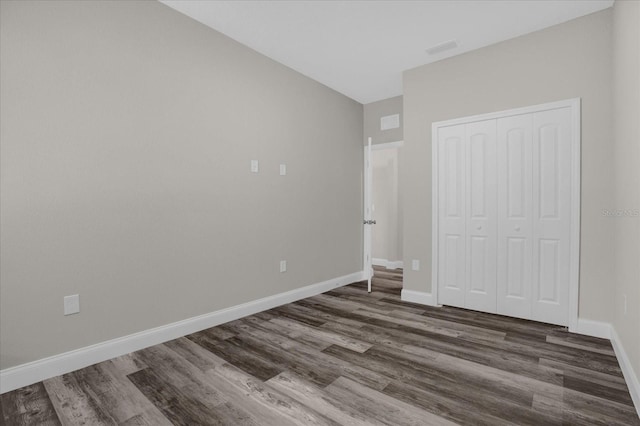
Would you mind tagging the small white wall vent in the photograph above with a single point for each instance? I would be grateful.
(451, 44)
(390, 122)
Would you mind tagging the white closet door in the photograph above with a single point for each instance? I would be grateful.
(481, 232)
(451, 214)
(551, 215)
(515, 210)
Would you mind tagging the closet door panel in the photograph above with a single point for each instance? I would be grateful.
(552, 215)
(480, 241)
(515, 215)
(451, 216)
(518, 286)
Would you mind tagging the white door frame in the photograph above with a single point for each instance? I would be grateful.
(367, 251)
(574, 267)
(387, 145)
(367, 244)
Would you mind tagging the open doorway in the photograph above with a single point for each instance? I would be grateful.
(387, 234)
(383, 203)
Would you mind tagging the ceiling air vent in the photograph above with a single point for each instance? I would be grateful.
(451, 44)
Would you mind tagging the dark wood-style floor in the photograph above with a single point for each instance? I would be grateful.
(346, 357)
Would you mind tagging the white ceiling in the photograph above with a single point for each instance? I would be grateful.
(360, 48)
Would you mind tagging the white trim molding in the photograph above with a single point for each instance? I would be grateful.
(509, 112)
(389, 264)
(418, 297)
(387, 145)
(630, 376)
(36, 371)
(576, 179)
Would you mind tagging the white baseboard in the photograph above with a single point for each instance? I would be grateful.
(389, 264)
(593, 328)
(418, 297)
(629, 374)
(36, 371)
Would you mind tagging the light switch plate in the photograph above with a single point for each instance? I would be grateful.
(254, 166)
(415, 264)
(72, 304)
(283, 169)
(283, 266)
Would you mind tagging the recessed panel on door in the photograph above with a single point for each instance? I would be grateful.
(451, 216)
(478, 259)
(549, 279)
(515, 197)
(515, 151)
(453, 166)
(453, 278)
(518, 286)
(552, 215)
(548, 147)
(480, 144)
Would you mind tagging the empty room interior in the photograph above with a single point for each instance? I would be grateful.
(320, 212)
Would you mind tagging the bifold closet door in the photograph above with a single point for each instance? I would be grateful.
(451, 216)
(467, 215)
(552, 183)
(534, 215)
(515, 211)
(480, 212)
(504, 214)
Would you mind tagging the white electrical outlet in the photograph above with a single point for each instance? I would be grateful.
(283, 266)
(254, 166)
(415, 264)
(72, 304)
(283, 169)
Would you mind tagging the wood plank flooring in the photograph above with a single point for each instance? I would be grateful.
(346, 358)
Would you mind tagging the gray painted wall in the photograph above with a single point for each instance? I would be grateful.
(626, 131)
(127, 133)
(565, 61)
